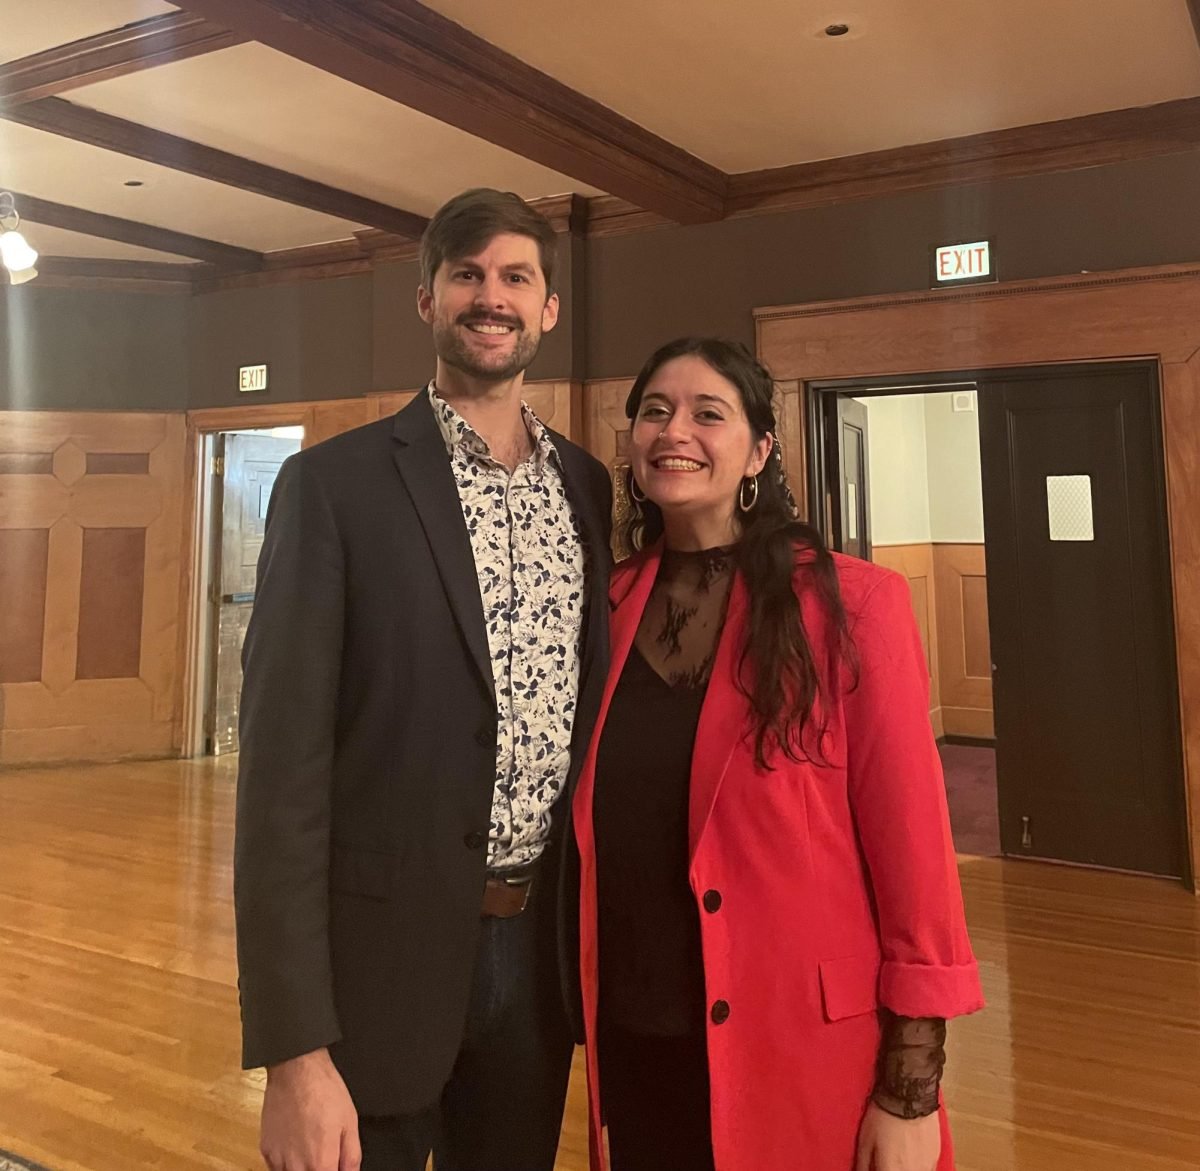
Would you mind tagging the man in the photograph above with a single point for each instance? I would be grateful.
(422, 673)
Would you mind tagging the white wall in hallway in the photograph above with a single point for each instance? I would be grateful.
(898, 470)
(952, 462)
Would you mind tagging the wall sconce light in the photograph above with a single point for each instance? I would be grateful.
(15, 253)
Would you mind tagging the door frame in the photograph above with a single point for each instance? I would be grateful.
(1148, 313)
(196, 633)
(820, 399)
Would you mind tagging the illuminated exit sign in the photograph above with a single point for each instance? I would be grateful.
(962, 264)
(252, 378)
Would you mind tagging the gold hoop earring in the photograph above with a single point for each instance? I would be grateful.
(743, 504)
(635, 492)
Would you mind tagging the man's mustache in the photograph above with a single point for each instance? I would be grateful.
(490, 319)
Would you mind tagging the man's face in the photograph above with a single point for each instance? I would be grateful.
(489, 311)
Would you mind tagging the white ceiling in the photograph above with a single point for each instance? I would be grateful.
(279, 111)
(55, 168)
(756, 84)
(745, 86)
(32, 26)
(58, 242)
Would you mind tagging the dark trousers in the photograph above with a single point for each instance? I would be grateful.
(502, 1108)
(656, 1101)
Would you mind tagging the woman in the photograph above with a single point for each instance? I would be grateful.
(772, 929)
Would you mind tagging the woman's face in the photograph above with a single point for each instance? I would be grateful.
(691, 444)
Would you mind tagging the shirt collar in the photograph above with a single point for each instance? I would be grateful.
(457, 432)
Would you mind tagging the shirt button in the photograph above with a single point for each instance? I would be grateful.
(486, 737)
(712, 901)
(720, 1012)
(474, 840)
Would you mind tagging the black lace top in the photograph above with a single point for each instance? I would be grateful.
(651, 970)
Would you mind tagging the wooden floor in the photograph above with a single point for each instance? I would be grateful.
(118, 1009)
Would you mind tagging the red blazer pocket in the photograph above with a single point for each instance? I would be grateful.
(849, 986)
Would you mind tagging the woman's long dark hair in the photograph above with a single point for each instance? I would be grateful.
(783, 683)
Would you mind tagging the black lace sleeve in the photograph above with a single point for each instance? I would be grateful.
(912, 1054)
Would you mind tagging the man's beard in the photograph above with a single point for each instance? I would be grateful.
(494, 367)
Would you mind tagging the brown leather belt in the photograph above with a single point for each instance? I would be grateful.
(504, 898)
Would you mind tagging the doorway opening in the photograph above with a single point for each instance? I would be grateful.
(236, 473)
(1027, 509)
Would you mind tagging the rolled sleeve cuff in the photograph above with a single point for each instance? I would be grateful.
(930, 990)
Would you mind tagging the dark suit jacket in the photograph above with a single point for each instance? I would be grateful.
(367, 761)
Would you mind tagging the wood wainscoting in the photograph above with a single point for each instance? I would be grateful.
(1148, 312)
(91, 506)
(949, 594)
(964, 642)
(915, 562)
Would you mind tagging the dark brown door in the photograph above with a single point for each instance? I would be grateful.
(249, 466)
(851, 508)
(1086, 705)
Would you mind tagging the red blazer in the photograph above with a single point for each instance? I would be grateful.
(839, 888)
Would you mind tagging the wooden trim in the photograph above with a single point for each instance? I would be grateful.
(975, 293)
(236, 418)
(109, 227)
(1141, 312)
(1094, 140)
(174, 36)
(415, 56)
(338, 258)
(78, 123)
(98, 274)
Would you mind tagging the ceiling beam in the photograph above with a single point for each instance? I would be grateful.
(174, 36)
(99, 274)
(58, 116)
(107, 227)
(415, 56)
(1091, 140)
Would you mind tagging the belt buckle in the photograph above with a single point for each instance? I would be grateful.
(523, 883)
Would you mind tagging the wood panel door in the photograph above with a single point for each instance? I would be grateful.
(248, 469)
(1086, 703)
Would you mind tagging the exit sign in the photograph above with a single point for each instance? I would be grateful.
(962, 264)
(252, 378)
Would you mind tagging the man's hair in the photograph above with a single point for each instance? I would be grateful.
(463, 226)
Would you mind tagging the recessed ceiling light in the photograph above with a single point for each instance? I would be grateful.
(134, 183)
(836, 30)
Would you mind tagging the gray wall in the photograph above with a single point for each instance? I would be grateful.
(621, 296)
(315, 337)
(65, 349)
(647, 288)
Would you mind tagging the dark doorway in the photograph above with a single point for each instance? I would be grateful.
(1089, 764)
(1082, 631)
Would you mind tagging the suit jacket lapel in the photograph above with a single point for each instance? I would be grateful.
(420, 455)
(722, 719)
(595, 632)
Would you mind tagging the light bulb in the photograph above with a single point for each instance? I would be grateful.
(16, 253)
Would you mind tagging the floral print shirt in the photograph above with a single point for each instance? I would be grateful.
(529, 556)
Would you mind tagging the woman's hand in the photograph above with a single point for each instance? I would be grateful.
(888, 1143)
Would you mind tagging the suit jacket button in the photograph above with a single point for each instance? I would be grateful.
(486, 737)
(474, 840)
(712, 901)
(720, 1012)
